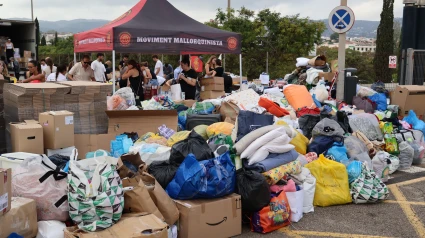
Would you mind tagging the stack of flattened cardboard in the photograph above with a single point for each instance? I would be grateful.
(3, 148)
(87, 100)
(212, 88)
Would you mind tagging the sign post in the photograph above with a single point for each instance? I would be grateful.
(341, 20)
(393, 62)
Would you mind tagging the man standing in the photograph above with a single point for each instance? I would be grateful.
(15, 66)
(82, 71)
(159, 69)
(168, 71)
(99, 68)
(123, 62)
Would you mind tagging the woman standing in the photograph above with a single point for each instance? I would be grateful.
(50, 68)
(210, 66)
(59, 75)
(134, 78)
(150, 76)
(10, 50)
(34, 74)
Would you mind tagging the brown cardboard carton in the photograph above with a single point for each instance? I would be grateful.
(58, 129)
(237, 80)
(210, 218)
(27, 54)
(135, 160)
(130, 225)
(21, 219)
(87, 143)
(212, 94)
(328, 76)
(141, 122)
(27, 137)
(187, 103)
(212, 84)
(5, 191)
(409, 97)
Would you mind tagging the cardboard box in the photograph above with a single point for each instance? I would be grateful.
(212, 94)
(210, 218)
(58, 129)
(21, 219)
(5, 191)
(409, 97)
(187, 103)
(86, 143)
(212, 84)
(130, 225)
(142, 121)
(237, 80)
(27, 137)
(27, 54)
(64, 152)
(165, 88)
(328, 76)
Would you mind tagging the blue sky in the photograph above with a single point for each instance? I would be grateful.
(201, 10)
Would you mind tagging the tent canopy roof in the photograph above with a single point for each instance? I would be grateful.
(156, 26)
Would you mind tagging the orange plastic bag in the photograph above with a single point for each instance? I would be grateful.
(298, 97)
(274, 216)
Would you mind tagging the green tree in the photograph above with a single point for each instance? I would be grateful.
(385, 42)
(284, 37)
(56, 38)
(335, 37)
(37, 36)
(43, 41)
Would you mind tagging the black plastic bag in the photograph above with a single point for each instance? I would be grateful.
(59, 160)
(194, 144)
(163, 172)
(254, 190)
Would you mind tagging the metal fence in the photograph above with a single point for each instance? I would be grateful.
(413, 67)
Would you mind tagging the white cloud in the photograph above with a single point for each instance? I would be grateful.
(201, 10)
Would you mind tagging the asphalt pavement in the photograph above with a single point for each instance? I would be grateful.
(402, 215)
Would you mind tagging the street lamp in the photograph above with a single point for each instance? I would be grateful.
(32, 11)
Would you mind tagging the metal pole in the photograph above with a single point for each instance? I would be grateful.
(240, 68)
(113, 71)
(75, 58)
(32, 11)
(341, 62)
(267, 64)
(224, 62)
(228, 7)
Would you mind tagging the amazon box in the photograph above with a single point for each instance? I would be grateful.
(27, 137)
(210, 218)
(409, 97)
(212, 84)
(58, 129)
(130, 225)
(5, 191)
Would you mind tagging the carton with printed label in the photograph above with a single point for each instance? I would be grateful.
(5, 190)
(58, 129)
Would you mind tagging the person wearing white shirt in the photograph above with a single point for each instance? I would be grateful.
(159, 68)
(43, 64)
(50, 68)
(58, 76)
(99, 68)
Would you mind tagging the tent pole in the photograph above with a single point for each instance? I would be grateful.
(180, 58)
(240, 68)
(75, 58)
(224, 62)
(162, 59)
(113, 71)
(267, 64)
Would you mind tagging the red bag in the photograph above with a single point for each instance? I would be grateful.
(274, 216)
(272, 107)
(305, 110)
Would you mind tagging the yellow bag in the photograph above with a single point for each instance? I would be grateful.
(332, 182)
(202, 131)
(179, 136)
(220, 128)
(300, 142)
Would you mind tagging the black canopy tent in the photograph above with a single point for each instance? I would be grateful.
(156, 26)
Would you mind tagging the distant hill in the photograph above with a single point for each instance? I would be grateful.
(73, 26)
(360, 29)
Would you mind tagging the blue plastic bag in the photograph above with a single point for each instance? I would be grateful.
(354, 169)
(203, 179)
(381, 101)
(412, 119)
(338, 151)
(121, 145)
(317, 102)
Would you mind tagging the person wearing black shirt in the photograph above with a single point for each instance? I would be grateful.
(187, 80)
(219, 71)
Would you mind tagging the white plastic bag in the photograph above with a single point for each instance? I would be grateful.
(302, 62)
(321, 93)
(50, 229)
(176, 92)
(127, 94)
(152, 152)
(309, 188)
(296, 202)
(365, 91)
(38, 178)
(380, 165)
